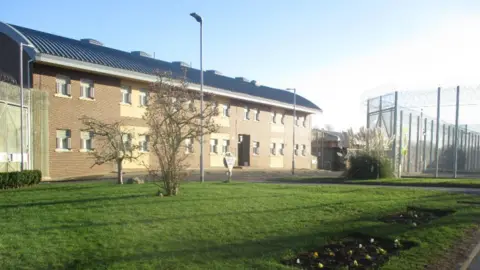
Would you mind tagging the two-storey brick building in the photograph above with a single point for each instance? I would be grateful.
(84, 77)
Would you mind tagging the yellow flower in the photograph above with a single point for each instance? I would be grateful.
(350, 252)
(368, 257)
(315, 254)
(355, 263)
(331, 254)
(320, 265)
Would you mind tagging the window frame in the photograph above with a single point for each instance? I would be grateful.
(63, 144)
(87, 90)
(282, 149)
(188, 145)
(83, 142)
(246, 113)
(143, 97)
(66, 84)
(256, 116)
(226, 110)
(214, 146)
(128, 91)
(273, 149)
(225, 146)
(296, 148)
(144, 143)
(304, 150)
(256, 148)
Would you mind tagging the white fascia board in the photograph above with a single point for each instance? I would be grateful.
(75, 64)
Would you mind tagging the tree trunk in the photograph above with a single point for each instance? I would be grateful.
(120, 171)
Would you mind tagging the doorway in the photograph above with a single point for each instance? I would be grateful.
(243, 150)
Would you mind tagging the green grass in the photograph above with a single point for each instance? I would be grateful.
(211, 225)
(415, 182)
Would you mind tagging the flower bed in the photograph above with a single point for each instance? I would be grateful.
(357, 251)
(416, 216)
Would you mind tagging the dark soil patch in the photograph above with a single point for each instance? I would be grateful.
(416, 216)
(356, 251)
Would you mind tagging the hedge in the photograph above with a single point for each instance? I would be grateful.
(366, 166)
(19, 179)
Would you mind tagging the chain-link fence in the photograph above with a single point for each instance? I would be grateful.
(31, 122)
(434, 132)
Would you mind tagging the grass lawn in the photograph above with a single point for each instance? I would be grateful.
(420, 182)
(212, 225)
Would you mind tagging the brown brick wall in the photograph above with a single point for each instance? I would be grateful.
(64, 114)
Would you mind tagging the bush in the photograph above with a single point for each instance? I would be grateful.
(19, 179)
(365, 166)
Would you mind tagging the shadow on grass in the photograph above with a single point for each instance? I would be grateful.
(48, 188)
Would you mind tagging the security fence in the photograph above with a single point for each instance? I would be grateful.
(34, 126)
(434, 132)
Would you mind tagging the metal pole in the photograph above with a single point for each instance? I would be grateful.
(394, 152)
(443, 137)
(455, 143)
(438, 132)
(380, 126)
(409, 141)
(417, 145)
(465, 142)
(430, 158)
(448, 137)
(294, 123)
(424, 163)
(368, 122)
(400, 146)
(21, 106)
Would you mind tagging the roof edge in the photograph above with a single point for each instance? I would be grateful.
(80, 65)
(17, 36)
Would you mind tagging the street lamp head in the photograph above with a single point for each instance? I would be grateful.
(291, 89)
(27, 45)
(197, 17)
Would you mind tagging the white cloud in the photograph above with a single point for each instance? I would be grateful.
(447, 56)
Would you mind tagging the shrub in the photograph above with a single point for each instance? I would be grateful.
(366, 166)
(20, 179)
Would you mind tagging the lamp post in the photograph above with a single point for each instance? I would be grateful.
(294, 124)
(198, 18)
(22, 45)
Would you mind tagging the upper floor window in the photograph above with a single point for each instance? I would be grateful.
(86, 140)
(64, 139)
(304, 122)
(127, 141)
(274, 117)
(126, 95)
(304, 150)
(257, 115)
(226, 110)
(296, 149)
(143, 97)
(282, 120)
(63, 86)
(297, 120)
(246, 113)
(86, 89)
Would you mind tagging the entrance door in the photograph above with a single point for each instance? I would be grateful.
(243, 150)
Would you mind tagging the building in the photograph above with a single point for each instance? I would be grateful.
(84, 77)
(330, 147)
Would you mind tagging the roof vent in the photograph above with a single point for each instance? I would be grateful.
(141, 53)
(242, 79)
(255, 83)
(91, 41)
(214, 72)
(180, 64)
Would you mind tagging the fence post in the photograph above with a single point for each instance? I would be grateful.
(400, 146)
(395, 111)
(455, 142)
(417, 145)
(409, 141)
(438, 132)
(465, 142)
(424, 163)
(368, 122)
(430, 158)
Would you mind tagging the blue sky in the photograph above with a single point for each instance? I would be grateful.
(334, 52)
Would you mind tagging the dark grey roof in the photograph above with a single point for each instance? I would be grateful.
(82, 51)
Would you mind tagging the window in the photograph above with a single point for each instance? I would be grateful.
(274, 117)
(256, 148)
(143, 141)
(86, 140)
(282, 120)
(246, 112)
(63, 86)
(143, 97)
(297, 120)
(127, 141)
(86, 89)
(273, 148)
(296, 149)
(282, 149)
(213, 145)
(304, 150)
(226, 110)
(64, 140)
(189, 145)
(304, 121)
(257, 115)
(225, 145)
(126, 95)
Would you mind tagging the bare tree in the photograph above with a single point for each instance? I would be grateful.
(174, 120)
(113, 143)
